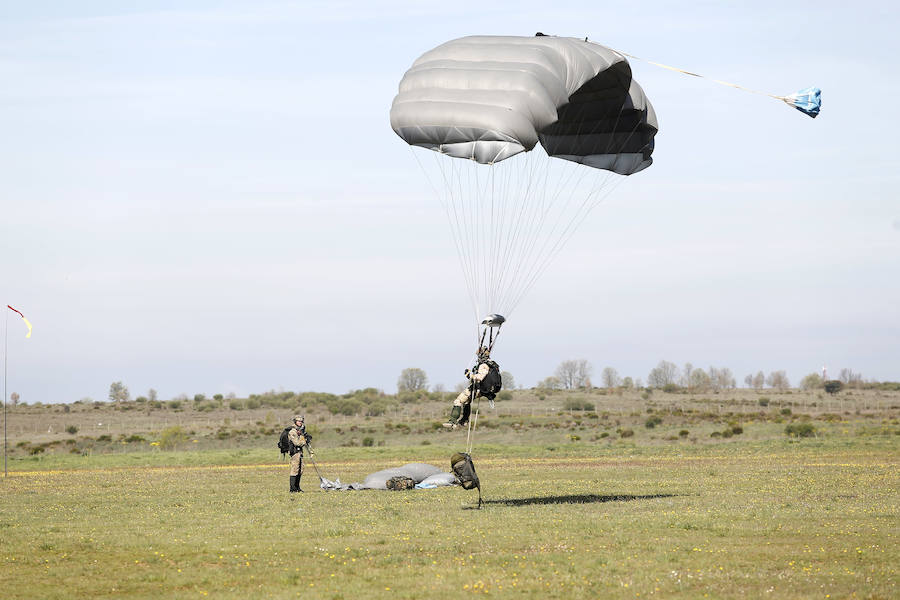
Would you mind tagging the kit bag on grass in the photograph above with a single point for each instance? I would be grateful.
(462, 466)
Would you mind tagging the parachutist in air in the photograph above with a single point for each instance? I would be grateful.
(484, 381)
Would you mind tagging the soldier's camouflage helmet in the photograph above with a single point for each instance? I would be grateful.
(298, 418)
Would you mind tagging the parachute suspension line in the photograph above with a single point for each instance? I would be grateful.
(533, 209)
(451, 211)
(505, 223)
(447, 205)
(515, 216)
(586, 207)
(551, 257)
(470, 431)
(557, 202)
(536, 203)
(538, 241)
(458, 231)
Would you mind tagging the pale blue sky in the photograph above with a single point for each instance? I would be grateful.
(207, 197)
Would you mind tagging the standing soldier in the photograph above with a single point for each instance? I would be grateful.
(298, 438)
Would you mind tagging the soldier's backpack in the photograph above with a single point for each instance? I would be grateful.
(284, 442)
(492, 382)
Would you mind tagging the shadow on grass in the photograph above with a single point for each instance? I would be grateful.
(574, 499)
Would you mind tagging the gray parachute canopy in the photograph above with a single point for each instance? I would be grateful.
(487, 98)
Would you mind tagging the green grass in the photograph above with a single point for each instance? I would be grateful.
(814, 518)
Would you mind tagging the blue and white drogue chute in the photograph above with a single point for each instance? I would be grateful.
(808, 101)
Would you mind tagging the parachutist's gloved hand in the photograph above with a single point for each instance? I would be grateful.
(467, 373)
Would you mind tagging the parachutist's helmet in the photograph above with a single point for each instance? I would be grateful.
(298, 418)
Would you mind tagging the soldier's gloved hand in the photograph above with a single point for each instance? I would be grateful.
(467, 373)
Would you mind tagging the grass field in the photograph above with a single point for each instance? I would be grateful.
(812, 518)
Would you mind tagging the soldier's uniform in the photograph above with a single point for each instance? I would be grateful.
(462, 405)
(298, 437)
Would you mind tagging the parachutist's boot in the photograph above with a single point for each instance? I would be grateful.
(454, 418)
(295, 485)
(466, 411)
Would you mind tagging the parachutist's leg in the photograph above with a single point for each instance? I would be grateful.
(466, 411)
(458, 404)
(454, 417)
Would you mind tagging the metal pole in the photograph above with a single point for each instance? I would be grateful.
(5, 347)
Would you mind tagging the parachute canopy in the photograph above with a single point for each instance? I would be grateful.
(512, 206)
(488, 98)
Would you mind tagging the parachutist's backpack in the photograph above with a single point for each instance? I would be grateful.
(492, 382)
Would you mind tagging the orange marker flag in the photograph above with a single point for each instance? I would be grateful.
(27, 324)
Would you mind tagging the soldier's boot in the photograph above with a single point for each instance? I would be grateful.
(466, 411)
(454, 418)
(295, 484)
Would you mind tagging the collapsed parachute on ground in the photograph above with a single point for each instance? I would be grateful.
(492, 100)
(423, 475)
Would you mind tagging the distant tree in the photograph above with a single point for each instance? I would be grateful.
(199, 398)
(439, 388)
(14, 398)
(848, 377)
(686, 375)
(412, 380)
(611, 378)
(152, 396)
(118, 393)
(833, 386)
(720, 378)
(748, 381)
(811, 382)
(628, 383)
(700, 380)
(574, 374)
(759, 380)
(778, 380)
(551, 383)
(509, 382)
(663, 374)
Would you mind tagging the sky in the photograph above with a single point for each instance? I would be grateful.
(207, 197)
